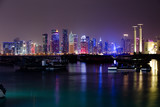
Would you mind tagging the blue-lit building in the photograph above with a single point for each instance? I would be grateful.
(87, 40)
(9, 47)
(29, 46)
(94, 46)
(91, 47)
(20, 48)
(126, 44)
(65, 41)
(16, 47)
(45, 43)
(105, 47)
(100, 46)
(54, 41)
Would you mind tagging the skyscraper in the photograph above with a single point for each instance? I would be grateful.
(54, 41)
(75, 43)
(9, 47)
(126, 44)
(94, 46)
(29, 46)
(71, 43)
(105, 47)
(100, 46)
(87, 40)
(91, 47)
(65, 41)
(84, 45)
(45, 43)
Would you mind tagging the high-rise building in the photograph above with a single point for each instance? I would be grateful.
(29, 46)
(33, 48)
(9, 47)
(87, 40)
(94, 46)
(39, 48)
(100, 46)
(55, 41)
(91, 47)
(23, 48)
(65, 41)
(75, 43)
(45, 43)
(105, 47)
(20, 48)
(126, 44)
(84, 45)
(71, 43)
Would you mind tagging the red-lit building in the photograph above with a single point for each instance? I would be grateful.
(84, 45)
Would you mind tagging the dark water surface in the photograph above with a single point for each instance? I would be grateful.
(83, 85)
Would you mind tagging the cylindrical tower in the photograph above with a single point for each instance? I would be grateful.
(140, 37)
(135, 35)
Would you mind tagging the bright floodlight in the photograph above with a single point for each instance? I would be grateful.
(126, 35)
(140, 24)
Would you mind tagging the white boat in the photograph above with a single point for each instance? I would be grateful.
(112, 68)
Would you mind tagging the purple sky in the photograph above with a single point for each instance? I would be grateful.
(107, 19)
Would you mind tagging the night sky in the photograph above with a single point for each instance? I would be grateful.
(108, 19)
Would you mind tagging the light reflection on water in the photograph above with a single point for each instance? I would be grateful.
(83, 85)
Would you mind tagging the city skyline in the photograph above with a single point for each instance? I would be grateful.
(105, 19)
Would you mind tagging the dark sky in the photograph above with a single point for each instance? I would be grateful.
(108, 19)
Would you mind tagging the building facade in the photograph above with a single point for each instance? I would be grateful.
(65, 41)
(54, 43)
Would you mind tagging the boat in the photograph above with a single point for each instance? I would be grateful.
(2, 91)
(53, 65)
(145, 67)
(122, 67)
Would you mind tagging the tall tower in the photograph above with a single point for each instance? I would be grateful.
(71, 43)
(140, 37)
(135, 34)
(84, 45)
(45, 43)
(54, 41)
(65, 41)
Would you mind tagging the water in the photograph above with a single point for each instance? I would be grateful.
(83, 85)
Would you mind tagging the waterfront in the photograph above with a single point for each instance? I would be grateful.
(81, 85)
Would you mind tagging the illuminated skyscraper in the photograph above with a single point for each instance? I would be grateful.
(84, 45)
(91, 47)
(65, 41)
(105, 47)
(75, 43)
(9, 47)
(126, 44)
(135, 35)
(140, 38)
(71, 43)
(100, 46)
(87, 40)
(94, 46)
(29, 46)
(45, 43)
(33, 46)
(54, 41)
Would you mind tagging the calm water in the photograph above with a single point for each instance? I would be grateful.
(82, 85)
